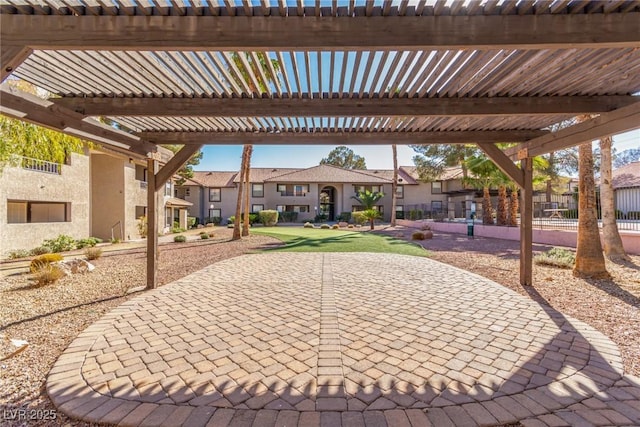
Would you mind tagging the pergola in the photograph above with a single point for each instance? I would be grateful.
(331, 72)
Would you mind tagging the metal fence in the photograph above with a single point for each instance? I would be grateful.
(435, 210)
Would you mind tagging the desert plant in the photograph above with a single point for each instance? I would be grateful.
(142, 226)
(320, 217)
(308, 225)
(88, 242)
(556, 257)
(350, 226)
(358, 218)
(417, 235)
(43, 260)
(192, 221)
(325, 226)
(40, 250)
(344, 216)
(204, 236)
(19, 253)
(47, 275)
(371, 215)
(117, 240)
(213, 220)
(179, 238)
(92, 253)
(230, 225)
(268, 218)
(61, 243)
(211, 234)
(335, 227)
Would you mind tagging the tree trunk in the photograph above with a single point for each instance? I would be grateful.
(549, 180)
(372, 223)
(613, 248)
(487, 217)
(514, 207)
(247, 189)
(394, 185)
(589, 257)
(501, 216)
(238, 218)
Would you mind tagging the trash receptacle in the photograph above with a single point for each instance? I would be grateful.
(470, 229)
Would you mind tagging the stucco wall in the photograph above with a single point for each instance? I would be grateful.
(71, 186)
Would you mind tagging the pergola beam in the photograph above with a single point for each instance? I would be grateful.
(376, 107)
(174, 164)
(504, 163)
(11, 58)
(324, 137)
(24, 106)
(395, 33)
(621, 120)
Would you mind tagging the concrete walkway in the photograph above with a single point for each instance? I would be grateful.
(341, 339)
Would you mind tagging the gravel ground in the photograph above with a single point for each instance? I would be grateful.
(49, 318)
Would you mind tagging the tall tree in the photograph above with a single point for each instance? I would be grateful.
(247, 190)
(625, 157)
(431, 160)
(344, 157)
(589, 257)
(238, 217)
(394, 185)
(613, 248)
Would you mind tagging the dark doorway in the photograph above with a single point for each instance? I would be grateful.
(327, 203)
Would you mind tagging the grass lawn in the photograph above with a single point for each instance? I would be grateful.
(299, 239)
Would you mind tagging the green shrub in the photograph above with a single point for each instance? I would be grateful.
(335, 227)
(192, 221)
(268, 218)
(415, 214)
(325, 226)
(308, 225)
(359, 217)
(177, 230)
(417, 235)
(204, 236)
(230, 225)
(213, 220)
(179, 238)
(43, 260)
(118, 240)
(88, 242)
(47, 275)
(92, 253)
(344, 216)
(320, 217)
(40, 250)
(556, 257)
(289, 216)
(142, 226)
(399, 214)
(62, 243)
(20, 253)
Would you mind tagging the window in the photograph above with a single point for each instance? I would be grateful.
(27, 212)
(436, 206)
(215, 194)
(301, 208)
(167, 188)
(257, 190)
(399, 208)
(293, 208)
(280, 208)
(257, 208)
(360, 208)
(141, 173)
(215, 213)
(399, 212)
(400, 192)
(187, 192)
(141, 211)
(168, 221)
(362, 188)
(436, 187)
(299, 190)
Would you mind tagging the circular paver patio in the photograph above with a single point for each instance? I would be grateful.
(340, 339)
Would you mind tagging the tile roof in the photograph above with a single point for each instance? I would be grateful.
(449, 173)
(174, 201)
(328, 173)
(403, 176)
(263, 174)
(214, 179)
(627, 176)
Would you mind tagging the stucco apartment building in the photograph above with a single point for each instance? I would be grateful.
(97, 193)
(321, 189)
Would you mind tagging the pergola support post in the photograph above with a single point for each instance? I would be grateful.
(156, 181)
(526, 223)
(152, 223)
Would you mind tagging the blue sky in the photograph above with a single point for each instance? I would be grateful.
(227, 157)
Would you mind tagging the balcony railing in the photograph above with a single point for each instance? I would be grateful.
(293, 193)
(37, 165)
(143, 185)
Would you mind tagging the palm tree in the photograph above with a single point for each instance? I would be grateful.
(247, 183)
(589, 257)
(485, 174)
(613, 248)
(394, 185)
(368, 200)
(238, 218)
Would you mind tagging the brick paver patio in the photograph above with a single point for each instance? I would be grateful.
(341, 339)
